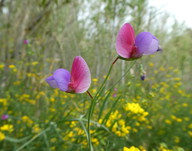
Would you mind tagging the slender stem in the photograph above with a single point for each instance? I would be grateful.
(93, 102)
(120, 78)
(89, 94)
(106, 77)
(115, 60)
(32, 139)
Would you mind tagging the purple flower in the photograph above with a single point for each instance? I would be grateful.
(143, 77)
(78, 81)
(114, 95)
(25, 42)
(115, 89)
(4, 117)
(129, 47)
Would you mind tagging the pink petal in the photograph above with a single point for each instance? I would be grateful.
(80, 75)
(62, 78)
(125, 40)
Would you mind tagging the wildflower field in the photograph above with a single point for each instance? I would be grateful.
(116, 98)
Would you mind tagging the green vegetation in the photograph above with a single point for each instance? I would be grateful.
(129, 114)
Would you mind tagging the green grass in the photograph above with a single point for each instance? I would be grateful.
(152, 115)
(141, 113)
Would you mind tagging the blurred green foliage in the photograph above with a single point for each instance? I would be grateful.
(59, 30)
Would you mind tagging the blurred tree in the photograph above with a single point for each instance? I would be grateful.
(58, 30)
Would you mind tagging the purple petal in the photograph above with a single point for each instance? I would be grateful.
(62, 78)
(146, 43)
(51, 81)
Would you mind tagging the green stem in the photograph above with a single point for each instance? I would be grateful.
(93, 102)
(89, 94)
(32, 139)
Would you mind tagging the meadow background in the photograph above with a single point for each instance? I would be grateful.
(38, 37)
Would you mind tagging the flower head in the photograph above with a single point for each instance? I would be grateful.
(78, 81)
(25, 42)
(143, 77)
(129, 47)
(4, 117)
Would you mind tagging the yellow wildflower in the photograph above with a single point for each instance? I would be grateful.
(132, 148)
(95, 141)
(71, 134)
(168, 122)
(52, 99)
(2, 136)
(7, 127)
(179, 120)
(3, 101)
(190, 126)
(53, 140)
(34, 63)
(177, 79)
(94, 90)
(53, 148)
(133, 107)
(27, 120)
(186, 118)
(190, 133)
(36, 129)
(2, 66)
(176, 139)
(16, 82)
(151, 64)
(95, 80)
(162, 69)
(12, 66)
(142, 148)
(184, 104)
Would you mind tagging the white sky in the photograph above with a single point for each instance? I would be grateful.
(181, 9)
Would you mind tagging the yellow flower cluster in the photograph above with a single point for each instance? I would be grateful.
(164, 149)
(117, 124)
(77, 134)
(2, 136)
(13, 68)
(132, 148)
(36, 128)
(176, 119)
(1, 66)
(3, 101)
(7, 127)
(26, 98)
(164, 102)
(135, 108)
(34, 63)
(27, 120)
(95, 80)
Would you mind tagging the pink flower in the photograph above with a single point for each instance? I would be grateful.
(129, 47)
(25, 42)
(4, 117)
(115, 89)
(114, 95)
(78, 81)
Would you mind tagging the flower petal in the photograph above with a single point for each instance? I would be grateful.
(51, 81)
(125, 40)
(62, 78)
(80, 75)
(146, 43)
